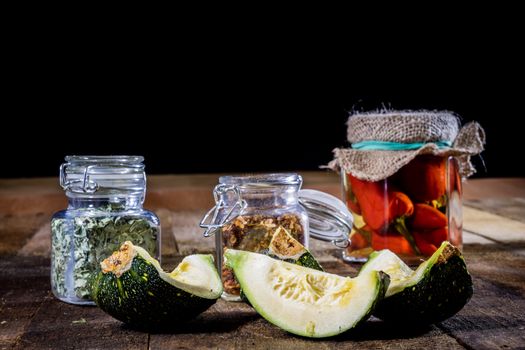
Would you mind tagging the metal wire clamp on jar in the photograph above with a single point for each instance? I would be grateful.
(105, 196)
(248, 210)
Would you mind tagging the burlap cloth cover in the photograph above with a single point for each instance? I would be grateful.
(406, 127)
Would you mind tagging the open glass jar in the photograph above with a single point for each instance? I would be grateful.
(249, 209)
(105, 195)
(411, 212)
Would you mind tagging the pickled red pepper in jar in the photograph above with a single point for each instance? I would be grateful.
(405, 213)
(402, 181)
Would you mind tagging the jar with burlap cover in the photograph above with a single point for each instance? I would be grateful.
(431, 147)
(384, 142)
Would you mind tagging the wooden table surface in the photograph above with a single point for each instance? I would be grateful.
(31, 318)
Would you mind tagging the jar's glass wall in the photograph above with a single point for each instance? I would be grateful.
(270, 201)
(104, 211)
(411, 212)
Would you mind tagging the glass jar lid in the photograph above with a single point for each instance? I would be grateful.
(262, 180)
(103, 175)
(329, 218)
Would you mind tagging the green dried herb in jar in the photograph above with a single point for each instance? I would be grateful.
(105, 209)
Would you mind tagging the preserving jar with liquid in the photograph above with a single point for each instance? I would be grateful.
(410, 212)
(401, 180)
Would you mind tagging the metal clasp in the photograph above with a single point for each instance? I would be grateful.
(88, 185)
(341, 243)
(218, 192)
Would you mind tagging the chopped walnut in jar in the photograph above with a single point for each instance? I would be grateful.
(229, 282)
(254, 233)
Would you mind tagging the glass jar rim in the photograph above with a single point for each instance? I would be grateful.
(262, 180)
(103, 175)
(106, 159)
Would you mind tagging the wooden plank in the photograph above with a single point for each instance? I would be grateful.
(174, 192)
(58, 325)
(472, 238)
(508, 207)
(494, 316)
(237, 326)
(29, 196)
(34, 319)
(40, 242)
(16, 229)
(24, 285)
(25, 206)
(182, 235)
(480, 189)
(230, 325)
(223, 328)
(39, 321)
(493, 227)
(194, 191)
(493, 319)
(498, 264)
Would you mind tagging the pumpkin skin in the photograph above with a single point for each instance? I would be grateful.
(439, 288)
(143, 295)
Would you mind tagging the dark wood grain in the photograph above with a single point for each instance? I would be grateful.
(24, 286)
(494, 317)
(35, 320)
(58, 325)
(17, 229)
(31, 318)
(512, 208)
(237, 326)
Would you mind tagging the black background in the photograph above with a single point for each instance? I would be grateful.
(256, 103)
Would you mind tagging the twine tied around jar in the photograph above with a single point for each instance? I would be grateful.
(382, 143)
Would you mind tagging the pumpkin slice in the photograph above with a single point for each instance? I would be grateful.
(284, 247)
(305, 301)
(133, 288)
(435, 291)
